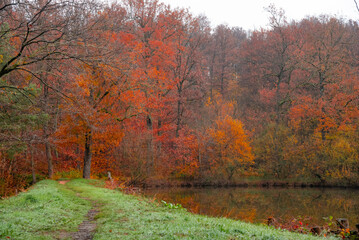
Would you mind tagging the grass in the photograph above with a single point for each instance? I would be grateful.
(43, 212)
(121, 216)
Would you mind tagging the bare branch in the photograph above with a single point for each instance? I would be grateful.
(43, 82)
(356, 5)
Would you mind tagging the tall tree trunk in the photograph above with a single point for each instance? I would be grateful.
(50, 167)
(278, 96)
(87, 155)
(47, 133)
(222, 79)
(33, 173)
(179, 108)
(159, 133)
(150, 157)
(179, 115)
(211, 75)
(321, 91)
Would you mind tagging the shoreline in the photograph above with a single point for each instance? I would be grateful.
(118, 216)
(243, 184)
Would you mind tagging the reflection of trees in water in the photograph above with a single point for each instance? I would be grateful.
(256, 204)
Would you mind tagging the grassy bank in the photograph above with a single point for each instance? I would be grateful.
(50, 211)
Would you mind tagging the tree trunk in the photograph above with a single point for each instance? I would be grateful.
(87, 155)
(49, 159)
(222, 79)
(179, 108)
(179, 116)
(150, 157)
(211, 75)
(32, 165)
(321, 91)
(47, 132)
(159, 143)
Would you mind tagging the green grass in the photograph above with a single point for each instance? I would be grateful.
(43, 212)
(121, 216)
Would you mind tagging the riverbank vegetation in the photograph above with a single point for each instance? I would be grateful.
(155, 94)
(50, 210)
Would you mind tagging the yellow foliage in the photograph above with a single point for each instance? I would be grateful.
(230, 146)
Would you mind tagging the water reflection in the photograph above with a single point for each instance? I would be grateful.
(257, 204)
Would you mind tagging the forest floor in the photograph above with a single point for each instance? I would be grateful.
(83, 209)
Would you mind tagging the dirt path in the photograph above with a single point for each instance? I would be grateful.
(87, 227)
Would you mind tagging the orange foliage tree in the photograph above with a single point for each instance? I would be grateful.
(93, 128)
(230, 149)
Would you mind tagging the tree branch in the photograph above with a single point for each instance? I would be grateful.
(356, 5)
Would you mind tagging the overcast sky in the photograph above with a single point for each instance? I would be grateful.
(250, 14)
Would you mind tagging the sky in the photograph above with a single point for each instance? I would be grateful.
(250, 14)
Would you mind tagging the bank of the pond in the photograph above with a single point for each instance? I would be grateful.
(50, 210)
(246, 182)
(289, 206)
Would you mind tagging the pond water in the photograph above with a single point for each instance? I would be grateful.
(257, 204)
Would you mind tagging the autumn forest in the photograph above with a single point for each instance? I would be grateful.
(153, 93)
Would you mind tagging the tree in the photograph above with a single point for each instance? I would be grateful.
(268, 60)
(187, 70)
(21, 119)
(230, 147)
(323, 57)
(38, 31)
(95, 126)
(222, 52)
(41, 36)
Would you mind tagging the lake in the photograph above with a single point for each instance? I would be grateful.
(257, 204)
